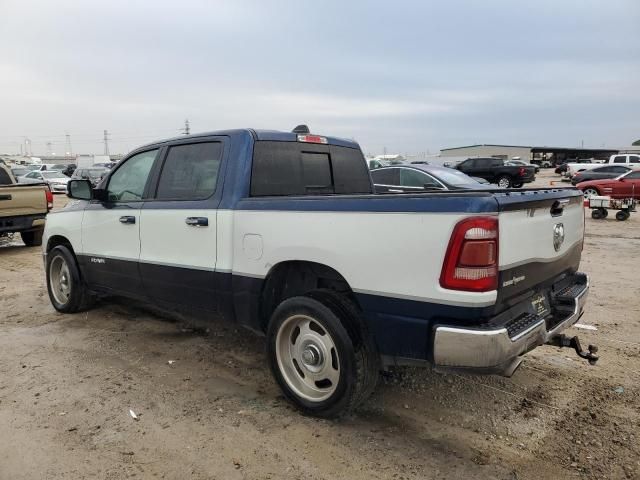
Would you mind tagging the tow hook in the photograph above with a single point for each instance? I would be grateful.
(574, 342)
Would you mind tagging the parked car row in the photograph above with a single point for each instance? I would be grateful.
(58, 179)
(470, 173)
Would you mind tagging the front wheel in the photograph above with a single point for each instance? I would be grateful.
(504, 181)
(67, 291)
(322, 368)
(590, 192)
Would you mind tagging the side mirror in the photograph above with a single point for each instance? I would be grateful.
(79, 189)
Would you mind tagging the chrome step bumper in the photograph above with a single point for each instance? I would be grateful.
(493, 350)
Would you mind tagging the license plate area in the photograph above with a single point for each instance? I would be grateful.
(540, 305)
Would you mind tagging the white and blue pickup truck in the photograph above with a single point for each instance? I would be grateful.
(282, 233)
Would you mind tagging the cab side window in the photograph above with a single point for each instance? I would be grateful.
(620, 159)
(190, 172)
(128, 181)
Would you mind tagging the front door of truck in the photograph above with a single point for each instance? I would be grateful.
(178, 228)
(111, 227)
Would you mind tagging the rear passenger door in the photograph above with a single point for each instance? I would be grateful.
(178, 226)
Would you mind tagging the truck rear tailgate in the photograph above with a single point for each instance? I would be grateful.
(541, 234)
(22, 199)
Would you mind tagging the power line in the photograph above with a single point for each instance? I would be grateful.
(186, 130)
(69, 150)
(106, 142)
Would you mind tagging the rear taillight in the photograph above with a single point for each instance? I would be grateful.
(522, 172)
(471, 262)
(49, 198)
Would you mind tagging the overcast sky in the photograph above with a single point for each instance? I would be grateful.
(410, 76)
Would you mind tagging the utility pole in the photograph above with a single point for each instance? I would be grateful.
(186, 129)
(68, 142)
(106, 142)
(49, 148)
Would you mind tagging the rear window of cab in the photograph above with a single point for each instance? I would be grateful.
(294, 168)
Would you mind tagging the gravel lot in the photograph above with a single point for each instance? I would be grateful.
(67, 383)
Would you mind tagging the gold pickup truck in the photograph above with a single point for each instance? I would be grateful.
(23, 207)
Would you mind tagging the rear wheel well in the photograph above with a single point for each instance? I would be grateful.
(294, 278)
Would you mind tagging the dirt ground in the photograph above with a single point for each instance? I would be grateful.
(68, 382)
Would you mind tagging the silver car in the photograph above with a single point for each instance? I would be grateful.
(57, 181)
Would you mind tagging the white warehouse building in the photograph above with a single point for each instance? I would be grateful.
(546, 156)
(506, 152)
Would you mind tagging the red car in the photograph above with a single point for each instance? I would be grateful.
(626, 185)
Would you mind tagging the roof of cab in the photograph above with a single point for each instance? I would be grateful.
(266, 135)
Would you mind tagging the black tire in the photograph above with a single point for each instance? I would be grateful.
(622, 215)
(597, 214)
(356, 356)
(605, 212)
(79, 298)
(504, 181)
(33, 238)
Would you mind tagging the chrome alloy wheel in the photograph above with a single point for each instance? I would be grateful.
(503, 182)
(60, 279)
(307, 358)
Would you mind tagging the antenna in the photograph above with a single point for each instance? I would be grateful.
(301, 129)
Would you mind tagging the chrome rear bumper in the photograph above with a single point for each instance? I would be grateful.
(494, 350)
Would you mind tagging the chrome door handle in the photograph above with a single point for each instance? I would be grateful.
(197, 221)
(128, 220)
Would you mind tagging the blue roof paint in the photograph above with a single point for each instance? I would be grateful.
(272, 135)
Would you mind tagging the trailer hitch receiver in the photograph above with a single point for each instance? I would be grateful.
(574, 342)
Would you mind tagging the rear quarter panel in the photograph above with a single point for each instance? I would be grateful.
(396, 255)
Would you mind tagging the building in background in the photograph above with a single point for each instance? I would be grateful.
(544, 156)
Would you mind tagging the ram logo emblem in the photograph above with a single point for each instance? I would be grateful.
(558, 236)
